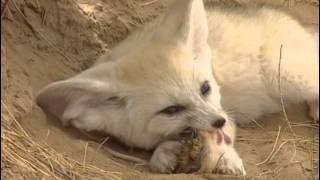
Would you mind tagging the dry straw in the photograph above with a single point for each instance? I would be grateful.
(304, 144)
(25, 157)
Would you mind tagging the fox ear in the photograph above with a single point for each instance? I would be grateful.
(82, 100)
(185, 22)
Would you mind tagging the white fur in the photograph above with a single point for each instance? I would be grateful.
(246, 50)
(164, 158)
(221, 158)
(166, 62)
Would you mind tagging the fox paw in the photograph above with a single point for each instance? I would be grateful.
(230, 163)
(164, 158)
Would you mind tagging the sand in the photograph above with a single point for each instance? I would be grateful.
(44, 41)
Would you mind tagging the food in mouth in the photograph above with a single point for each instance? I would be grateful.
(194, 148)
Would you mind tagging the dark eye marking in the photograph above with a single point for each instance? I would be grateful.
(171, 110)
(205, 88)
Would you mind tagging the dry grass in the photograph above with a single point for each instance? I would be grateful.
(25, 157)
(307, 145)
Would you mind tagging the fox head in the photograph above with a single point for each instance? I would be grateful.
(148, 94)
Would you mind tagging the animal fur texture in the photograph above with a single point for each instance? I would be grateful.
(189, 68)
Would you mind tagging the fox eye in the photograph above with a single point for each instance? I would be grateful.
(171, 110)
(205, 88)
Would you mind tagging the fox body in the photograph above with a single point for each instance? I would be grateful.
(246, 52)
(188, 69)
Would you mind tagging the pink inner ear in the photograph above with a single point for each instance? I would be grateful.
(56, 97)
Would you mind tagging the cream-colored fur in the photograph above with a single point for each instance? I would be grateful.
(165, 64)
(246, 52)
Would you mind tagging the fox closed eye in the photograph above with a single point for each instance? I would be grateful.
(175, 109)
(171, 110)
(205, 88)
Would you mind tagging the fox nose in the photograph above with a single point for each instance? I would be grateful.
(219, 123)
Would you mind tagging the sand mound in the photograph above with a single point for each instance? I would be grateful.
(43, 41)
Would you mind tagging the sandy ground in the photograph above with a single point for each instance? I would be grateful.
(43, 41)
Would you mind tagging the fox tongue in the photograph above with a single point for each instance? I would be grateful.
(220, 136)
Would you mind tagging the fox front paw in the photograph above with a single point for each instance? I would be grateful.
(164, 158)
(223, 160)
(230, 163)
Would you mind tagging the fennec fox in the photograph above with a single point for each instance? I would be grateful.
(171, 74)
